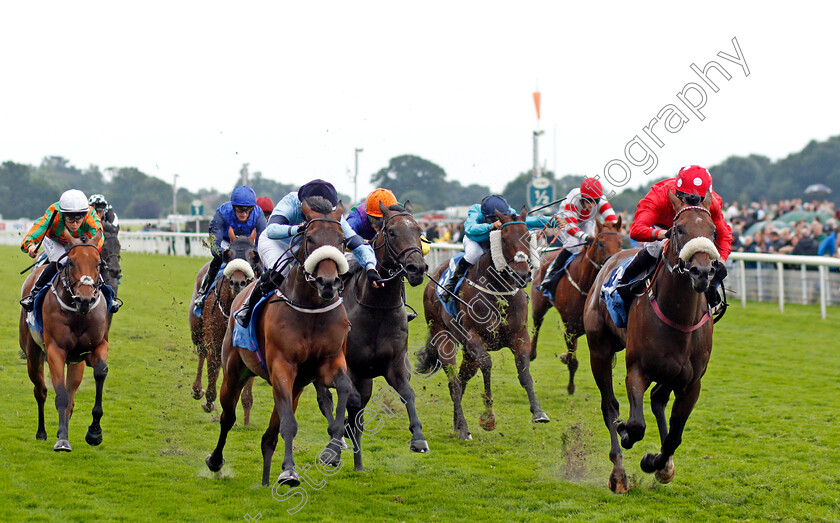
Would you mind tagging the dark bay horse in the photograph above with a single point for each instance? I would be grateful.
(378, 342)
(75, 334)
(572, 288)
(208, 331)
(111, 270)
(302, 334)
(668, 340)
(494, 315)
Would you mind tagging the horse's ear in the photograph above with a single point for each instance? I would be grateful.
(253, 236)
(96, 237)
(384, 209)
(524, 213)
(66, 236)
(339, 210)
(676, 203)
(500, 216)
(707, 201)
(254, 258)
(408, 208)
(306, 210)
(231, 235)
(618, 223)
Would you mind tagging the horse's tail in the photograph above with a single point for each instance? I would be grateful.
(427, 357)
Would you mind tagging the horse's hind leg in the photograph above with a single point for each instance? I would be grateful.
(331, 455)
(539, 307)
(570, 359)
(325, 401)
(232, 384)
(659, 396)
(35, 366)
(355, 420)
(197, 390)
(247, 401)
(519, 347)
(662, 463)
(457, 386)
(487, 420)
(214, 362)
(601, 362)
(269, 443)
(633, 429)
(397, 377)
(93, 436)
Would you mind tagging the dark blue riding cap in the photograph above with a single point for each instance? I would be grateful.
(318, 188)
(491, 204)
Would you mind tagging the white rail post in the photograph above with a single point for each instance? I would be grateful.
(804, 285)
(822, 270)
(742, 267)
(780, 268)
(759, 287)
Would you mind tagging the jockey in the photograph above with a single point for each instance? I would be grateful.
(655, 216)
(277, 253)
(70, 212)
(365, 218)
(481, 219)
(238, 214)
(106, 213)
(266, 204)
(584, 207)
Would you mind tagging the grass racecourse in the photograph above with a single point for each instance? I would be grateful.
(762, 443)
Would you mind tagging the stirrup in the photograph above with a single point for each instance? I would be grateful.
(243, 316)
(28, 303)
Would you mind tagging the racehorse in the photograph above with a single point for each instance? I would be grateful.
(668, 340)
(208, 331)
(378, 342)
(492, 313)
(75, 333)
(572, 288)
(111, 271)
(302, 332)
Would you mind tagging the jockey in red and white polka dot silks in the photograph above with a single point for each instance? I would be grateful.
(655, 211)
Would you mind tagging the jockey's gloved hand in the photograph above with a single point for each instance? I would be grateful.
(720, 270)
(587, 240)
(374, 277)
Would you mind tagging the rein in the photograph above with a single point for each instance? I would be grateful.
(69, 285)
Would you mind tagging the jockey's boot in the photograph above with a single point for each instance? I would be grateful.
(209, 277)
(638, 265)
(460, 270)
(269, 280)
(556, 266)
(46, 276)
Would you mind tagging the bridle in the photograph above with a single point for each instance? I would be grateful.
(84, 280)
(681, 267)
(397, 257)
(519, 256)
(300, 238)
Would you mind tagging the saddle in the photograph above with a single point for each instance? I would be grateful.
(450, 306)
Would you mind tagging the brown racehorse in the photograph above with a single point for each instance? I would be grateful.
(497, 317)
(378, 342)
(572, 288)
(668, 340)
(302, 333)
(208, 331)
(75, 334)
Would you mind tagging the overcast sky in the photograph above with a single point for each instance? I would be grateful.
(198, 88)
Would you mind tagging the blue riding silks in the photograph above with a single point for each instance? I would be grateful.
(197, 309)
(612, 299)
(246, 338)
(451, 306)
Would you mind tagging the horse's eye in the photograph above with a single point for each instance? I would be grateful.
(391, 233)
(680, 230)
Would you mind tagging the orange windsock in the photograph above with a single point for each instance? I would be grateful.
(537, 103)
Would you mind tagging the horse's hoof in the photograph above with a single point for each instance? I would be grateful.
(334, 458)
(487, 423)
(213, 466)
(41, 435)
(465, 436)
(665, 475)
(289, 477)
(208, 407)
(197, 394)
(571, 389)
(540, 417)
(62, 445)
(565, 358)
(618, 483)
(360, 468)
(648, 463)
(93, 438)
(419, 446)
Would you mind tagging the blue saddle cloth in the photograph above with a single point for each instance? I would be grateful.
(548, 292)
(198, 308)
(451, 306)
(35, 319)
(612, 299)
(247, 337)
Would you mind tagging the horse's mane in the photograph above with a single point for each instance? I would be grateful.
(319, 204)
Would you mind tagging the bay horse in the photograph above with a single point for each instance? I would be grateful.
(668, 340)
(208, 331)
(378, 342)
(111, 271)
(75, 333)
(572, 288)
(492, 314)
(302, 333)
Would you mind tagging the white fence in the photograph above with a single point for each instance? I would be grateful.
(754, 277)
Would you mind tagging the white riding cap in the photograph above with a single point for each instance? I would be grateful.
(73, 200)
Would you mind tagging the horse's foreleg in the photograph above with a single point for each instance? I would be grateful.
(197, 390)
(519, 347)
(539, 307)
(398, 378)
(325, 401)
(602, 372)
(269, 444)
(663, 463)
(457, 386)
(633, 429)
(282, 378)
(56, 361)
(232, 383)
(35, 366)
(659, 396)
(487, 420)
(331, 455)
(93, 436)
(75, 373)
(570, 359)
(247, 401)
